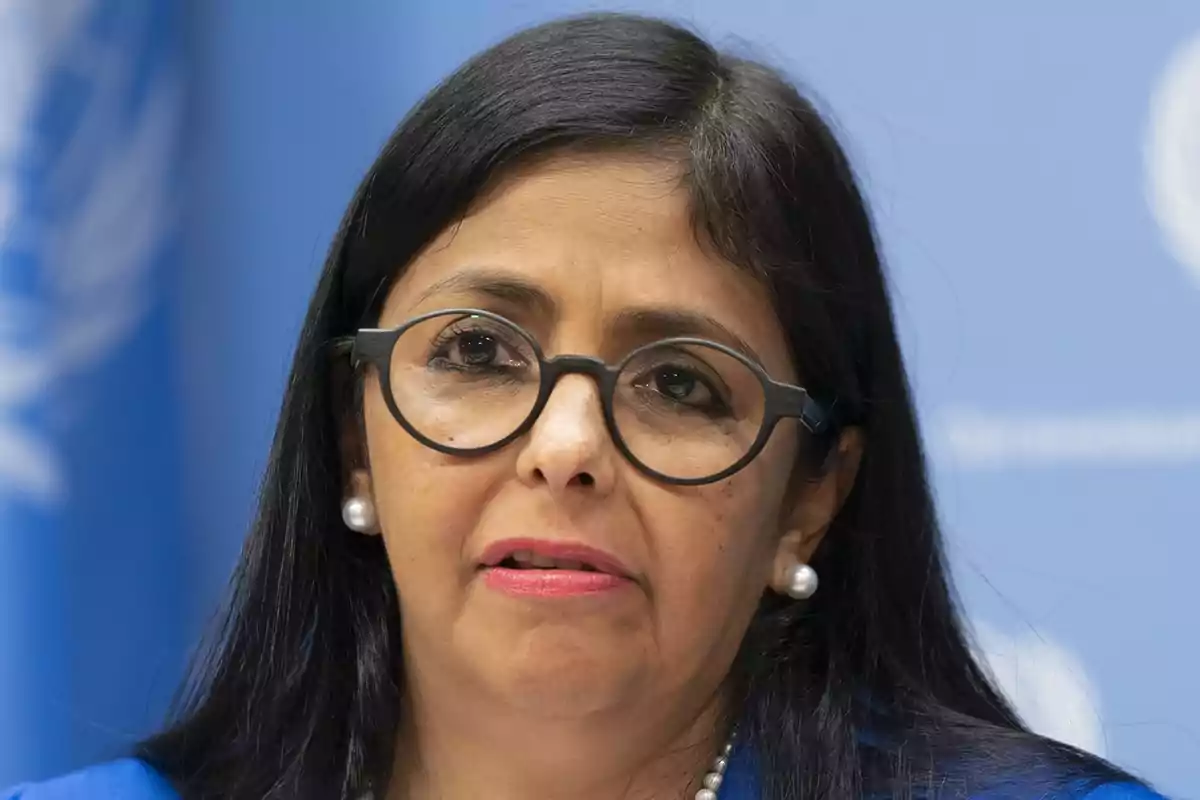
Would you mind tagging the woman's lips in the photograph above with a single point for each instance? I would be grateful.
(550, 583)
(544, 568)
(548, 550)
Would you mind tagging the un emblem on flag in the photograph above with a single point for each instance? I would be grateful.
(89, 118)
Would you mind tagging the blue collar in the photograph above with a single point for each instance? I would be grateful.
(741, 777)
(742, 783)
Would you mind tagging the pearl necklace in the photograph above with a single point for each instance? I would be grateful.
(714, 777)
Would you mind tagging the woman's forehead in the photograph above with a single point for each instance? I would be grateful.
(606, 238)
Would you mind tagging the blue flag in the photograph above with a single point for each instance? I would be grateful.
(91, 101)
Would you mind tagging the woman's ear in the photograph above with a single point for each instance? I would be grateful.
(346, 401)
(358, 496)
(814, 504)
(352, 444)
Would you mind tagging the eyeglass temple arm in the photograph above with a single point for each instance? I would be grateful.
(800, 404)
(369, 344)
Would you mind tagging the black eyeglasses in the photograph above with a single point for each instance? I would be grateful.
(684, 411)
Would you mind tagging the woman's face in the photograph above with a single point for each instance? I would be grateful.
(569, 250)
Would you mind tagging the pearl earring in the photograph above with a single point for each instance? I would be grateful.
(359, 514)
(801, 582)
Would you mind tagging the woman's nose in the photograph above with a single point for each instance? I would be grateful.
(569, 447)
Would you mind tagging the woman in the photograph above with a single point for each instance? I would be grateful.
(600, 376)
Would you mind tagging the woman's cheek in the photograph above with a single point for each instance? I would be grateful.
(711, 546)
(428, 510)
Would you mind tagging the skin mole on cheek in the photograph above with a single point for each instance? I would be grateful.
(730, 487)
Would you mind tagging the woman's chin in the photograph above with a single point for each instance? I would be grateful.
(559, 677)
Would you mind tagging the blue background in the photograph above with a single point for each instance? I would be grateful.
(1002, 150)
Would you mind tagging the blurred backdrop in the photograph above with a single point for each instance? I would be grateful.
(171, 174)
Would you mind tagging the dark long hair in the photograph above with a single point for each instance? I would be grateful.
(870, 687)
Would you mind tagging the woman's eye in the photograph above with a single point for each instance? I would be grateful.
(683, 387)
(477, 349)
(680, 385)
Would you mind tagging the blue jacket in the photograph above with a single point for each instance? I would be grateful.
(130, 779)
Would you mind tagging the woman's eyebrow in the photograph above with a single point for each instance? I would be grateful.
(496, 284)
(665, 323)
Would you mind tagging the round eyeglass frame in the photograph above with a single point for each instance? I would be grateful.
(780, 400)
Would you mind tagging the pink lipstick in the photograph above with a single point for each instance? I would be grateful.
(546, 569)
